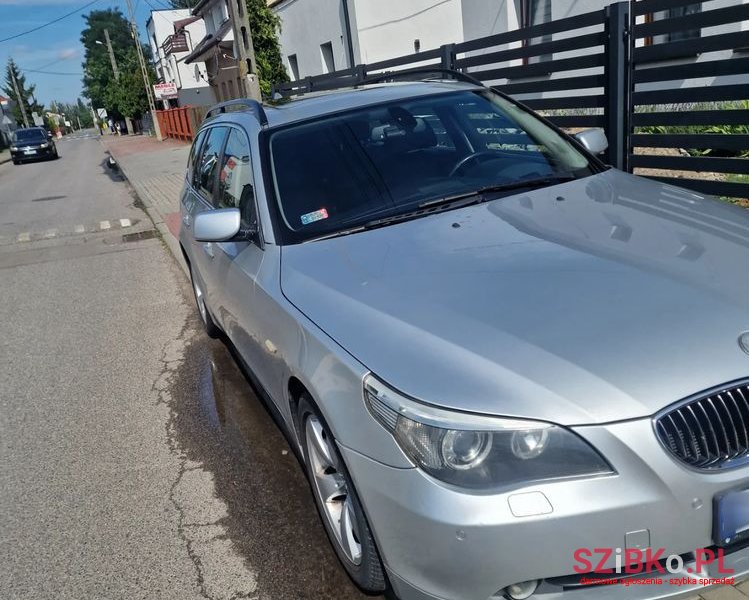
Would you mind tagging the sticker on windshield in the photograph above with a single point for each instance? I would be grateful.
(318, 215)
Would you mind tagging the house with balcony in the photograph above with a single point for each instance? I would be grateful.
(216, 50)
(173, 35)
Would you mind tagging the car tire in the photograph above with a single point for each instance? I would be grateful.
(205, 316)
(16, 162)
(342, 514)
(55, 156)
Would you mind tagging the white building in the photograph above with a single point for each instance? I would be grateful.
(319, 36)
(173, 35)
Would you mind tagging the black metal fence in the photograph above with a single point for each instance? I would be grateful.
(709, 122)
(599, 69)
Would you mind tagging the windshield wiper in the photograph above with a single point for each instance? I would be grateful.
(503, 187)
(461, 200)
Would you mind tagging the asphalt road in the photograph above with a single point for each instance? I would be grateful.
(135, 459)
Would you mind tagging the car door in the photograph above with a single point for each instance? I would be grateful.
(204, 190)
(243, 308)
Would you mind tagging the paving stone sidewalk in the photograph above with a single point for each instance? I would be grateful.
(155, 170)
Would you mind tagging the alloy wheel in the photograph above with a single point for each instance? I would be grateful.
(332, 487)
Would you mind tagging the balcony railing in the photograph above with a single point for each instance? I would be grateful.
(175, 43)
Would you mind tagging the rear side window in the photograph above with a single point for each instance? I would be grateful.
(208, 163)
(194, 154)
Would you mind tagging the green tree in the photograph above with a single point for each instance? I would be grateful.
(25, 90)
(265, 26)
(125, 97)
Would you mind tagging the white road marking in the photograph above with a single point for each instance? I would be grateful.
(24, 237)
(50, 233)
(80, 229)
(125, 223)
(105, 225)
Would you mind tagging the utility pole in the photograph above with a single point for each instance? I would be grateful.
(144, 70)
(245, 56)
(20, 99)
(111, 55)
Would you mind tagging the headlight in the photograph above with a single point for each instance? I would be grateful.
(481, 452)
(44, 145)
(13, 148)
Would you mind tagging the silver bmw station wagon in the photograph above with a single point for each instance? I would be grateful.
(510, 371)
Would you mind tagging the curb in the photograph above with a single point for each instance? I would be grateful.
(156, 218)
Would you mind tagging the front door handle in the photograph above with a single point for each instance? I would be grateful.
(208, 249)
(186, 221)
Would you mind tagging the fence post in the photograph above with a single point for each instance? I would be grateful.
(447, 56)
(616, 90)
(361, 73)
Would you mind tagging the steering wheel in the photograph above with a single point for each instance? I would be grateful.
(470, 158)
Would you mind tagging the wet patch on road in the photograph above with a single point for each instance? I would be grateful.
(242, 491)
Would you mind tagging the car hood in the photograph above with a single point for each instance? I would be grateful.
(602, 299)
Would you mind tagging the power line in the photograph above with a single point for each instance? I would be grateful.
(65, 16)
(49, 72)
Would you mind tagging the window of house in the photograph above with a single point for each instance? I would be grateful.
(682, 11)
(535, 12)
(328, 64)
(293, 67)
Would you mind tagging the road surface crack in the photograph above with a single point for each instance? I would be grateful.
(220, 571)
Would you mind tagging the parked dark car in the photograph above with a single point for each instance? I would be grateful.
(32, 144)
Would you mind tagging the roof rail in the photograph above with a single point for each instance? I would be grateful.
(253, 106)
(420, 74)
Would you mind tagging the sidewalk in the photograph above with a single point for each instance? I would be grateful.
(4, 156)
(155, 170)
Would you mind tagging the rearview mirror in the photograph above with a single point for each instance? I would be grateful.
(594, 140)
(216, 225)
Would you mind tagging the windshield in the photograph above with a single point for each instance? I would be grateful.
(343, 171)
(29, 135)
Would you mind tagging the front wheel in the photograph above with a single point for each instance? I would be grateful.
(337, 502)
(210, 327)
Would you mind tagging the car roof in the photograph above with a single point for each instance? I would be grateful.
(316, 105)
(319, 104)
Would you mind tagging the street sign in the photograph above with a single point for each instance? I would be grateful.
(165, 91)
(101, 113)
(38, 120)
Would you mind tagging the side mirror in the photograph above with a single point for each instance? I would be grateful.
(594, 140)
(49, 135)
(218, 225)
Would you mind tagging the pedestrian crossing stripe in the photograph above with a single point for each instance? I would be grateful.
(48, 234)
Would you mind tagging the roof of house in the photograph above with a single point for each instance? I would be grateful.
(179, 24)
(208, 42)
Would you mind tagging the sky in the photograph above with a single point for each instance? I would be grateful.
(57, 48)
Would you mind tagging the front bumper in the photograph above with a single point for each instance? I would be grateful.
(21, 153)
(442, 543)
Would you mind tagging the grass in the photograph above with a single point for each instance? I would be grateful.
(738, 178)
